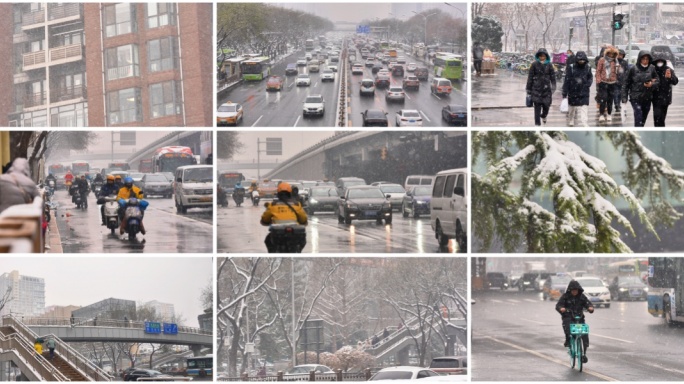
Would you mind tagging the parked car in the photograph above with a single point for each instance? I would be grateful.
(364, 202)
(156, 184)
(416, 201)
(455, 114)
(136, 374)
(628, 288)
(450, 365)
(374, 118)
(302, 371)
(448, 216)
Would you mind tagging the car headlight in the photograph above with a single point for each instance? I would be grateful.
(645, 289)
(526, 282)
(188, 191)
(421, 202)
(351, 206)
(313, 201)
(623, 289)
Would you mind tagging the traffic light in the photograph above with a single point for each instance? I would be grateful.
(383, 153)
(571, 30)
(618, 22)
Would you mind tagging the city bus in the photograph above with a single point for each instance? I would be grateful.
(80, 166)
(120, 165)
(631, 267)
(55, 169)
(449, 67)
(145, 166)
(666, 288)
(384, 44)
(228, 179)
(392, 52)
(309, 45)
(199, 366)
(167, 159)
(255, 69)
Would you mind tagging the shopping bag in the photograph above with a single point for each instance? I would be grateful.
(564, 106)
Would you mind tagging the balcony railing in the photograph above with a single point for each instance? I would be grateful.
(61, 11)
(122, 72)
(34, 99)
(67, 93)
(66, 51)
(34, 58)
(34, 17)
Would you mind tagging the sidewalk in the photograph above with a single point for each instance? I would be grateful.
(52, 237)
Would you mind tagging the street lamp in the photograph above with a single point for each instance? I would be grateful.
(458, 9)
(425, 17)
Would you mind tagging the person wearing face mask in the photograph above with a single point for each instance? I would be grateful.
(622, 70)
(606, 78)
(662, 95)
(578, 79)
(640, 82)
(541, 84)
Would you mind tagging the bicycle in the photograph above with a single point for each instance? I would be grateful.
(576, 347)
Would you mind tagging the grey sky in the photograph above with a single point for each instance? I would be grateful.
(293, 143)
(82, 281)
(143, 138)
(355, 12)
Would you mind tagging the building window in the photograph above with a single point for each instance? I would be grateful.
(161, 14)
(124, 106)
(163, 54)
(73, 115)
(165, 99)
(119, 19)
(122, 62)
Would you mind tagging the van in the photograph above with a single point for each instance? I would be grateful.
(440, 86)
(450, 365)
(449, 203)
(345, 182)
(415, 180)
(193, 187)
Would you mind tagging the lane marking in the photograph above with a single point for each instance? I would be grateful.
(425, 116)
(439, 98)
(496, 301)
(533, 321)
(406, 95)
(315, 84)
(255, 123)
(551, 359)
(185, 217)
(611, 338)
(532, 301)
(663, 368)
(297, 121)
(513, 301)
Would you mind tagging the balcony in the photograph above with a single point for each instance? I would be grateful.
(61, 94)
(66, 54)
(58, 13)
(34, 60)
(33, 19)
(34, 100)
(122, 72)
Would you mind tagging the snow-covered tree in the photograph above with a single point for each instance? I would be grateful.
(542, 193)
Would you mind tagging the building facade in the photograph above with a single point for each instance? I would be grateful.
(59, 311)
(27, 297)
(111, 308)
(165, 310)
(144, 64)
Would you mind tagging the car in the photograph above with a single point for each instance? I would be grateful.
(302, 371)
(396, 194)
(401, 60)
(411, 67)
(376, 68)
(392, 63)
(308, 56)
(301, 62)
(627, 288)
(595, 291)
(303, 79)
(496, 280)
(416, 201)
(421, 73)
(357, 69)
(370, 63)
(395, 94)
(327, 75)
(321, 199)
(126, 372)
(193, 187)
(538, 283)
(229, 113)
(135, 374)
(168, 175)
(267, 189)
(440, 86)
(335, 58)
(382, 80)
(137, 177)
(411, 82)
(455, 114)
(333, 67)
(450, 365)
(314, 66)
(679, 54)
(291, 70)
(314, 105)
(345, 182)
(398, 71)
(409, 118)
(352, 59)
(367, 87)
(554, 286)
(404, 373)
(364, 202)
(374, 118)
(386, 59)
(274, 83)
(448, 216)
(416, 180)
(156, 184)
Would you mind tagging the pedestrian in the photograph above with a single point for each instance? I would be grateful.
(126, 321)
(640, 82)
(569, 58)
(541, 84)
(95, 322)
(622, 70)
(385, 333)
(375, 340)
(578, 80)
(478, 55)
(606, 78)
(209, 160)
(72, 320)
(51, 344)
(38, 346)
(662, 95)
(16, 186)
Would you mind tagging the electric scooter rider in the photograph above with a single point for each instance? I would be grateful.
(82, 185)
(238, 193)
(126, 192)
(283, 209)
(108, 189)
(50, 177)
(573, 302)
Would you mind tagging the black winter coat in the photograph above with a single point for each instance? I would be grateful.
(541, 80)
(662, 95)
(578, 80)
(573, 303)
(633, 83)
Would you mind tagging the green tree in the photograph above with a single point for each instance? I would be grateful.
(488, 31)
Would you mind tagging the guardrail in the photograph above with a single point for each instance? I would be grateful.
(66, 52)
(95, 322)
(24, 348)
(23, 221)
(63, 349)
(33, 58)
(313, 376)
(63, 10)
(343, 99)
(34, 17)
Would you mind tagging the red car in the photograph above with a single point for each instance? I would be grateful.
(274, 83)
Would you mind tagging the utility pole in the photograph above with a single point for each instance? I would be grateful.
(612, 27)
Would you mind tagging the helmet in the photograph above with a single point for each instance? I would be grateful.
(117, 177)
(284, 187)
(128, 180)
(110, 177)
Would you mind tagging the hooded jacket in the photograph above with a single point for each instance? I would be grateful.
(16, 186)
(624, 66)
(578, 79)
(633, 84)
(662, 95)
(573, 304)
(478, 52)
(603, 73)
(541, 80)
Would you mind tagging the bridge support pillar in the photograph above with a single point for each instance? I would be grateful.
(403, 356)
(4, 368)
(196, 349)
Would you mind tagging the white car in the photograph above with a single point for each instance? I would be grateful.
(395, 94)
(403, 373)
(303, 79)
(327, 75)
(301, 62)
(396, 194)
(357, 69)
(333, 67)
(314, 105)
(302, 371)
(409, 118)
(595, 291)
(308, 56)
(411, 67)
(229, 114)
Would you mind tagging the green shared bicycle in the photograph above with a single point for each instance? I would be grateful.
(576, 348)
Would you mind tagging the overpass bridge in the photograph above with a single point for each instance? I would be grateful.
(353, 153)
(196, 140)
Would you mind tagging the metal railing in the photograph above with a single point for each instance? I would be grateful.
(67, 93)
(35, 99)
(24, 348)
(64, 350)
(111, 323)
(122, 72)
(33, 58)
(60, 11)
(34, 17)
(312, 376)
(66, 51)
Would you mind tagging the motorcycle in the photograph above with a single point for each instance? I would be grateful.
(222, 197)
(77, 198)
(68, 184)
(50, 189)
(288, 238)
(238, 196)
(255, 198)
(111, 212)
(97, 185)
(133, 215)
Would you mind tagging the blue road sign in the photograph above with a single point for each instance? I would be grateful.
(152, 327)
(170, 329)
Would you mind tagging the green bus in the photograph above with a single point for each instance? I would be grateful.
(256, 68)
(449, 67)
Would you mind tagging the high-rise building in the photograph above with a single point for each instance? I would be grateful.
(144, 64)
(59, 311)
(110, 308)
(27, 297)
(164, 310)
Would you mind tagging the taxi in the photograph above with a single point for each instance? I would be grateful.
(229, 113)
(274, 83)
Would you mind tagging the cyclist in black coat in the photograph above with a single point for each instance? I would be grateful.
(574, 302)
(541, 84)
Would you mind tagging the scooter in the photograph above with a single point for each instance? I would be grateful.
(97, 185)
(111, 212)
(255, 198)
(238, 196)
(133, 215)
(67, 184)
(288, 238)
(80, 201)
(50, 189)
